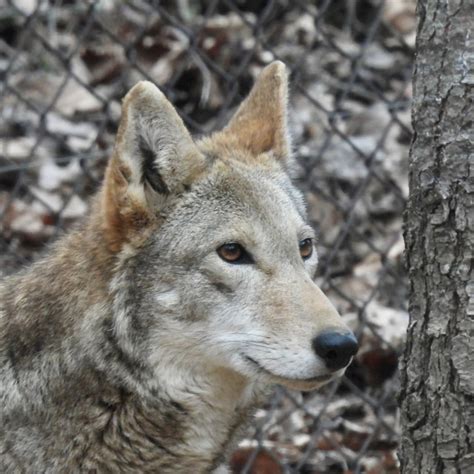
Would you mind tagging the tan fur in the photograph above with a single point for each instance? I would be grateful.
(134, 347)
(260, 123)
(123, 217)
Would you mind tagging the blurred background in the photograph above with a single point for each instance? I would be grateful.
(64, 67)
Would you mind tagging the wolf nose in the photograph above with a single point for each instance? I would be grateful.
(335, 348)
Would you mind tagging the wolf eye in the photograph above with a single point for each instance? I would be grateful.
(306, 248)
(234, 253)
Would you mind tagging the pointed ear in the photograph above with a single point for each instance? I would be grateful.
(154, 158)
(260, 123)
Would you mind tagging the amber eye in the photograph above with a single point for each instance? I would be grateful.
(306, 248)
(233, 253)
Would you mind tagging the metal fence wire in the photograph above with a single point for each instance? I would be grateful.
(65, 65)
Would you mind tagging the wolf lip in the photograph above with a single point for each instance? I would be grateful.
(319, 378)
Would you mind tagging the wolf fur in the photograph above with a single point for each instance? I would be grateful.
(133, 346)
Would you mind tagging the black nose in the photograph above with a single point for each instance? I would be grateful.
(335, 348)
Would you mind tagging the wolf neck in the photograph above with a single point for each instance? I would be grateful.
(218, 406)
(208, 404)
(202, 407)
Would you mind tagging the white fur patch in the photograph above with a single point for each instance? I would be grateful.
(167, 300)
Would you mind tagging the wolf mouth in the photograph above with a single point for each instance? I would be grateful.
(319, 378)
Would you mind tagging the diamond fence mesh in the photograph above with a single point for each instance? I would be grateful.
(65, 65)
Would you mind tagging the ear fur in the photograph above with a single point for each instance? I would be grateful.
(154, 158)
(260, 123)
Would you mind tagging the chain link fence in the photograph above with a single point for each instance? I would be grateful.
(64, 67)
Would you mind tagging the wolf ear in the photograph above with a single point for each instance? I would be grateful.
(260, 123)
(154, 158)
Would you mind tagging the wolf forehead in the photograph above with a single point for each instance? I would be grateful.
(244, 184)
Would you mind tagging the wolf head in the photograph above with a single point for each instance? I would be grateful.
(214, 248)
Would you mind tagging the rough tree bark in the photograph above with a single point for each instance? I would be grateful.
(437, 397)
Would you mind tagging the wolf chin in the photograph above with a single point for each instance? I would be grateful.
(148, 336)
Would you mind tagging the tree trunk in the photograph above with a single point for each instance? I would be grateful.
(437, 397)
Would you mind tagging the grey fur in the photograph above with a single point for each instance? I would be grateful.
(134, 360)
